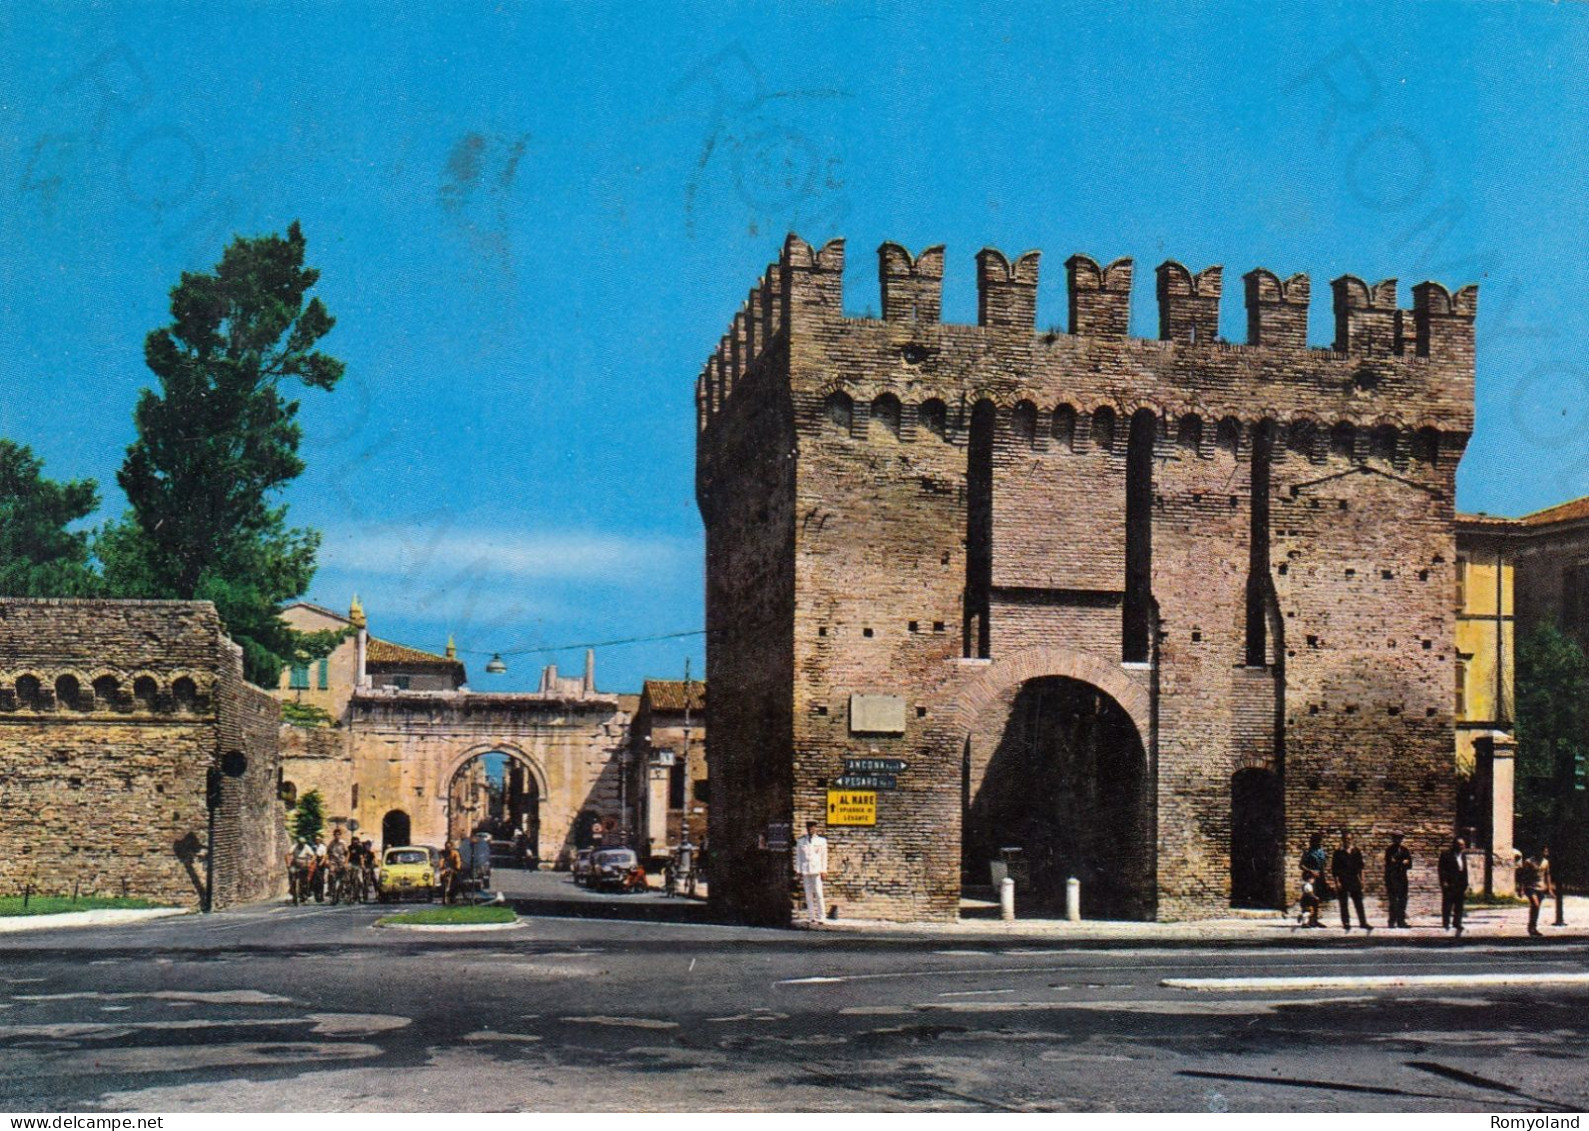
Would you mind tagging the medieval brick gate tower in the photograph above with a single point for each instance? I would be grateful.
(1151, 611)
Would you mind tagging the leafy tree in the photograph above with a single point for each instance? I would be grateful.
(39, 556)
(1552, 732)
(217, 443)
(309, 818)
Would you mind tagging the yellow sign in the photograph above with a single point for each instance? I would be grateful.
(847, 807)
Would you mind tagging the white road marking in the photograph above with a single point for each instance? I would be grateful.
(1071, 968)
(758, 1015)
(623, 1022)
(209, 997)
(182, 1058)
(982, 993)
(1202, 1007)
(356, 1024)
(1515, 980)
(489, 1035)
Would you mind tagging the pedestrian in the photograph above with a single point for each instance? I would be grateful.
(1398, 864)
(1453, 868)
(811, 862)
(451, 865)
(1535, 881)
(1314, 889)
(1347, 868)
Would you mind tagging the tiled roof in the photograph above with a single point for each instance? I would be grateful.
(668, 694)
(321, 609)
(385, 652)
(1561, 512)
(1490, 520)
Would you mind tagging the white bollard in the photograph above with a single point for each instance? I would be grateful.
(1007, 898)
(1073, 899)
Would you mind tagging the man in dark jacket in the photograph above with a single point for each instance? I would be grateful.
(1453, 869)
(1347, 868)
(1398, 863)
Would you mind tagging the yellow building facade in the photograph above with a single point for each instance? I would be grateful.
(1486, 638)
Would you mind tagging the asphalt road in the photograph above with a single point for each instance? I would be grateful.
(313, 1008)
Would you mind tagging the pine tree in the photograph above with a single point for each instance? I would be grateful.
(39, 556)
(218, 442)
(309, 818)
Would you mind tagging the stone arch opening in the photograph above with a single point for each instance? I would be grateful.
(840, 411)
(886, 413)
(1066, 780)
(396, 829)
(30, 692)
(1257, 839)
(146, 692)
(496, 790)
(1064, 427)
(107, 691)
(68, 693)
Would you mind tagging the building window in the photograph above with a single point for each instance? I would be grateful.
(300, 678)
(1462, 689)
(324, 674)
(1462, 584)
(703, 790)
(355, 797)
(676, 777)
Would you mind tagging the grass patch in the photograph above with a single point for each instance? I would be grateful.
(449, 916)
(57, 904)
(1495, 901)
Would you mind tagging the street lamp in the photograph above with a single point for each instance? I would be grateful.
(495, 666)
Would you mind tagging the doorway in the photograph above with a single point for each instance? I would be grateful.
(395, 830)
(1257, 839)
(1067, 788)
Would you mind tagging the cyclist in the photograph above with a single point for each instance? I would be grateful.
(300, 865)
(355, 878)
(336, 862)
(317, 870)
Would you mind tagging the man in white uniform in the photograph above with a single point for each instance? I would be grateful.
(811, 862)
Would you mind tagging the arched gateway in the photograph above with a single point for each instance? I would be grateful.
(496, 788)
(1056, 769)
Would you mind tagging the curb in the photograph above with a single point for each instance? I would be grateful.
(447, 928)
(104, 917)
(1378, 981)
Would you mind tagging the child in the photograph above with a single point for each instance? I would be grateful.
(1309, 916)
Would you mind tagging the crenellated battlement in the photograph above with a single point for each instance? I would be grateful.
(804, 289)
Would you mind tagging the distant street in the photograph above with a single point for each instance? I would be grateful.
(312, 1009)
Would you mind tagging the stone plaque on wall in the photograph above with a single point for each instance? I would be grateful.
(877, 714)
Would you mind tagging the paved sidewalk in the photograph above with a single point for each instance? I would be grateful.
(1487, 923)
(100, 918)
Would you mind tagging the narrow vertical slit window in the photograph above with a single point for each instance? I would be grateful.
(979, 529)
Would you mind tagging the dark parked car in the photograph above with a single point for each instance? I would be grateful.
(614, 869)
(580, 868)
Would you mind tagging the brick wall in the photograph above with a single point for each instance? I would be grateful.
(112, 714)
(840, 489)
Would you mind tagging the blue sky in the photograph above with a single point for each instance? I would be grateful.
(534, 221)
